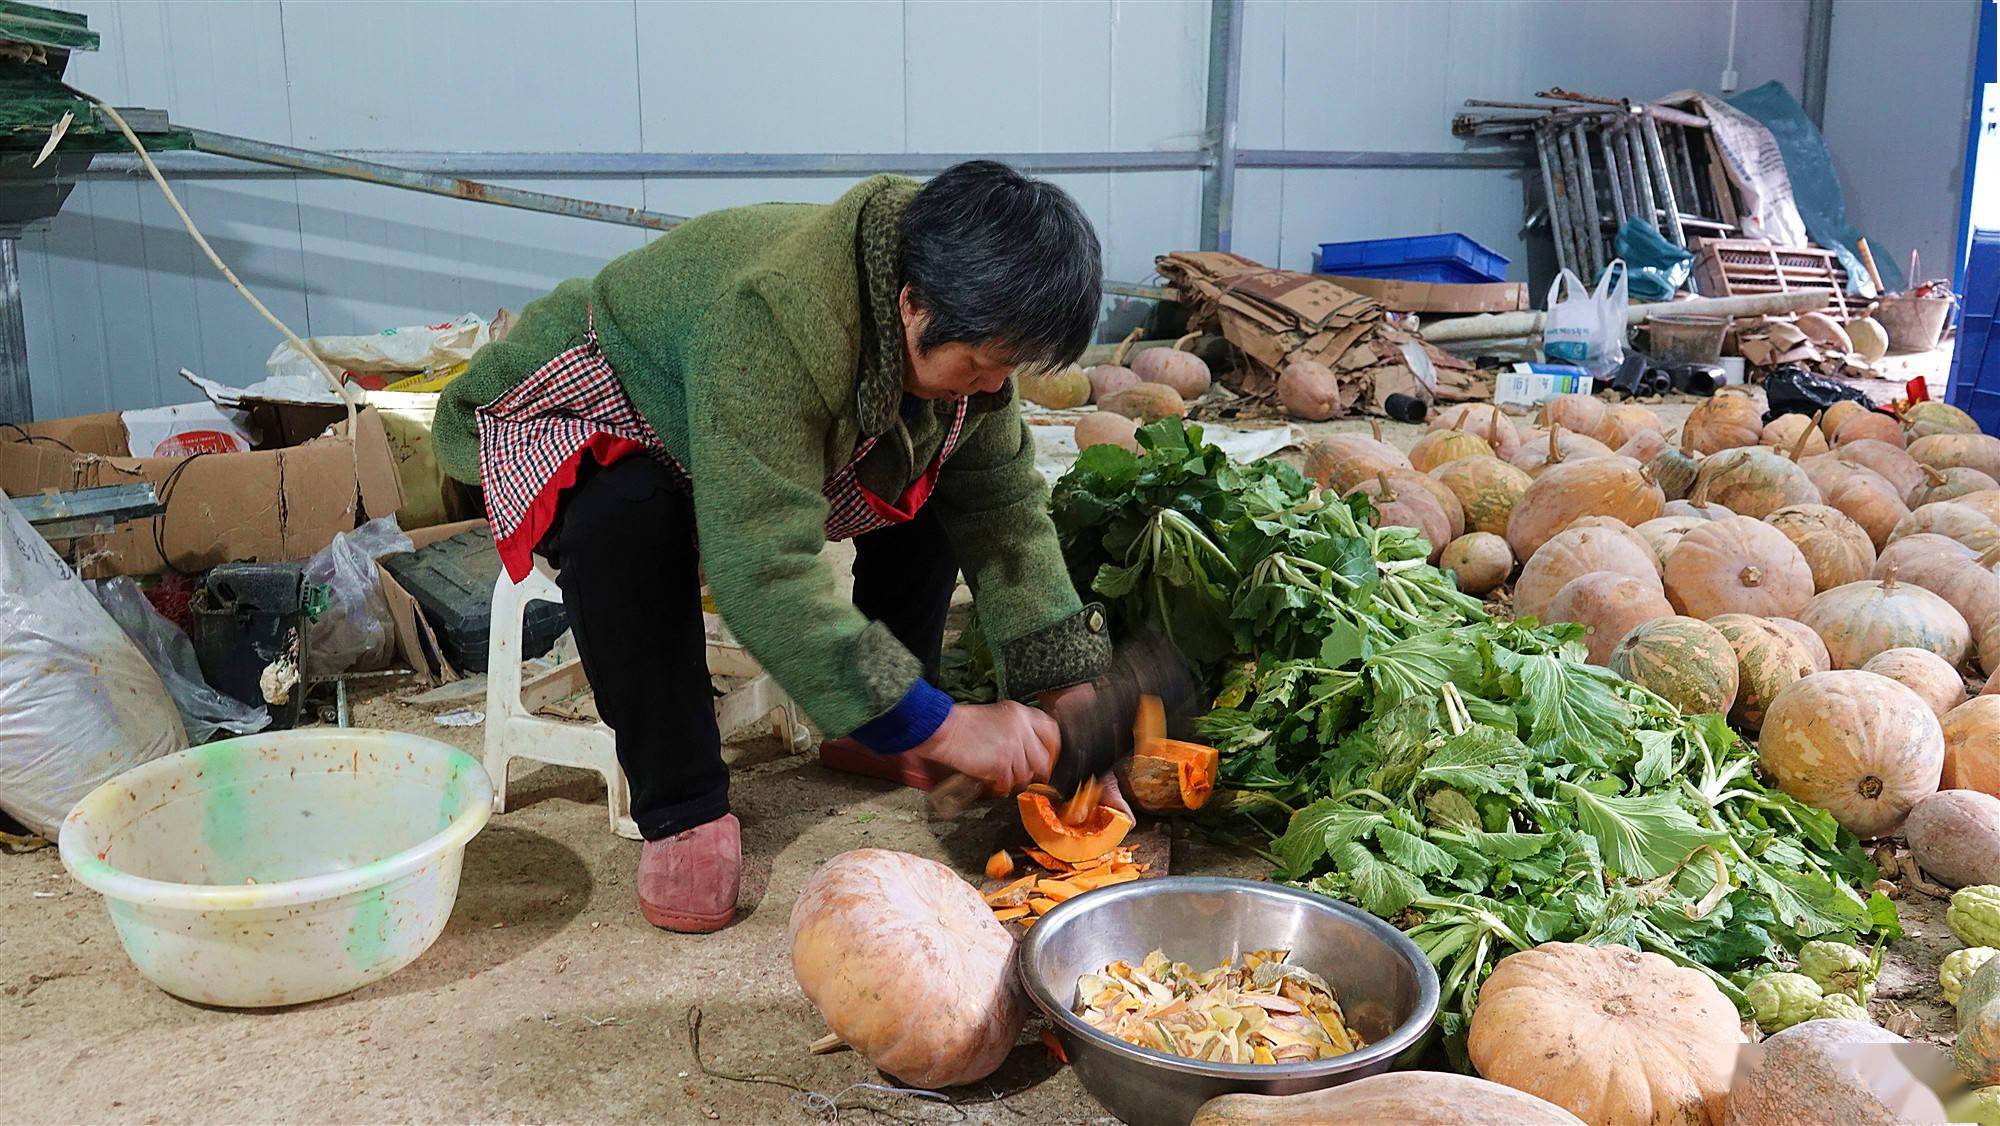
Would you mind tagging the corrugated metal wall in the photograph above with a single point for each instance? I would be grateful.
(118, 299)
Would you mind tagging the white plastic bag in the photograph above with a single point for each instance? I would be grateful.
(79, 705)
(185, 430)
(354, 634)
(407, 349)
(1585, 328)
(205, 713)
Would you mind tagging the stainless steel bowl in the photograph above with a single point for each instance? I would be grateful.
(1387, 989)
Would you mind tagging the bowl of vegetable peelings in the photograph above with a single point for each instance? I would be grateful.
(1166, 993)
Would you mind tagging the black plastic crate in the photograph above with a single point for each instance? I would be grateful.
(452, 581)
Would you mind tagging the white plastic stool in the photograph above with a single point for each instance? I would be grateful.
(513, 730)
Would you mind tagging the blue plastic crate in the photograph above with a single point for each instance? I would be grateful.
(1429, 258)
(1975, 362)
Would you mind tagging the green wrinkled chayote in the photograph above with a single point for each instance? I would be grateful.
(1957, 969)
(1974, 915)
(1839, 967)
(1780, 1000)
(1839, 1006)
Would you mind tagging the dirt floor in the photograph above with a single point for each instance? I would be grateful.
(548, 997)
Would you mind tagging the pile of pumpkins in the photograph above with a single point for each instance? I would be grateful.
(1820, 580)
(1159, 383)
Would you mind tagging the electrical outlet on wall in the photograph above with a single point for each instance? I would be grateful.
(1728, 81)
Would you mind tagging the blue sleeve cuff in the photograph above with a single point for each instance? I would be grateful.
(915, 718)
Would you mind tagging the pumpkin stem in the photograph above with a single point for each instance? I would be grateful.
(1555, 450)
(1388, 491)
(1932, 475)
(1991, 557)
(1699, 497)
(1375, 424)
(1799, 446)
(1459, 423)
(1889, 578)
(1751, 576)
(1181, 345)
(1493, 428)
(1870, 787)
(1125, 346)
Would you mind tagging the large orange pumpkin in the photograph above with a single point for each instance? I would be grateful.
(1951, 520)
(1972, 746)
(1738, 566)
(1454, 512)
(1487, 490)
(1860, 746)
(1439, 446)
(1643, 446)
(1575, 411)
(1755, 482)
(1727, 419)
(1969, 585)
(1861, 619)
(1675, 468)
(1574, 552)
(1686, 662)
(1407, 1098)
(1794, 434)
(1950, 484)
(1925, 673)
(1615, 525)
(1559, 447)
(1974, 451)
(1662, 532)
(1836, 548)
(1699, 505)
(1342, 461)
(1608, 605)
(1603, 486)
(1624, 422)
(1408, 507)
(1868, 498)
(1831, 418)
(1768, 660)
(1986, 502)
(1817, 1072)
(1932, 416)
(1483, 419)
(1869, 426)
(1609, 1034)
(860, 929)
(1478, 561)
(1891, 461)
(1808, 640)
(1916, 553)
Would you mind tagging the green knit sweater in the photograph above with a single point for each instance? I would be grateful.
(763, 345)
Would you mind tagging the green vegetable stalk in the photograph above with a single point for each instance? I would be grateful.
(1472, 780)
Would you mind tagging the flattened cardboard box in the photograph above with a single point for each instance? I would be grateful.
(1437, 297)
(268, 505)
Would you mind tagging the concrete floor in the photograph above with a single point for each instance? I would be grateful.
(548, 997)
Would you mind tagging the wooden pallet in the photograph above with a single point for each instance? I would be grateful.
(1730, 267)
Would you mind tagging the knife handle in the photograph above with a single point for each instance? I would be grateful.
(953, 796)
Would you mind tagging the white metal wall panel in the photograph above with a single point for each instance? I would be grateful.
(117, 298)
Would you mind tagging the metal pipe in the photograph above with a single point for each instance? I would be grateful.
(1225, 67)
(1698, 200)
(1651, 131)
(456, 187)
(1551, 205)
(1635, 160)
(634, 165)
(1593, 221)
(17, 402)
(1617, 192)
(1580, 235)
(1819, 47)
(1507, 326)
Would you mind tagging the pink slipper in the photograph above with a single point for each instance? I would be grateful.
(688, 882)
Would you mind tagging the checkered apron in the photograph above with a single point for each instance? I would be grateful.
(533, 438)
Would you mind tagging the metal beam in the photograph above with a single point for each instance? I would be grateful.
(17, 403)
(1343, 158)
(1819, 46)
(1225, 74)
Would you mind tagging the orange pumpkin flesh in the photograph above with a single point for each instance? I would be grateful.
(1169, 776)
(1100, 832)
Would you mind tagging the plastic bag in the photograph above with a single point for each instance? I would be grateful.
(79, 705)
(411, 348)
(205, 713)
(1791, 389)
(355, 633)
(1656, 268)
(1585, 328)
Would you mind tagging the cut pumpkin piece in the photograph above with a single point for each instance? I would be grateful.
(1170, 776)
(1042, 906)
(1104, 879)
(1059, 890)
(999, 866)
(1100, 832)
(1013, 894)
(1009, 914)
(1046, 861)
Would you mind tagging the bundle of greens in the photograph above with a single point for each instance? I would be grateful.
(1472, 780)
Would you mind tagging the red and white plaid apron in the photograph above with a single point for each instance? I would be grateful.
(533, 438)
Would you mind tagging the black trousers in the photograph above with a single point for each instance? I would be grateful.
(624, 544)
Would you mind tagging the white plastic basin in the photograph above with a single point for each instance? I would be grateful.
(281, 867)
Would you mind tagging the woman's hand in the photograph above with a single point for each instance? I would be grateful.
(1066, 700)
(1005, 745)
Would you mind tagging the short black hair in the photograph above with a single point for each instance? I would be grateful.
(997, 258)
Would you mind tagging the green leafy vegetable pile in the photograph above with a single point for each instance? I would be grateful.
(1472, 780)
